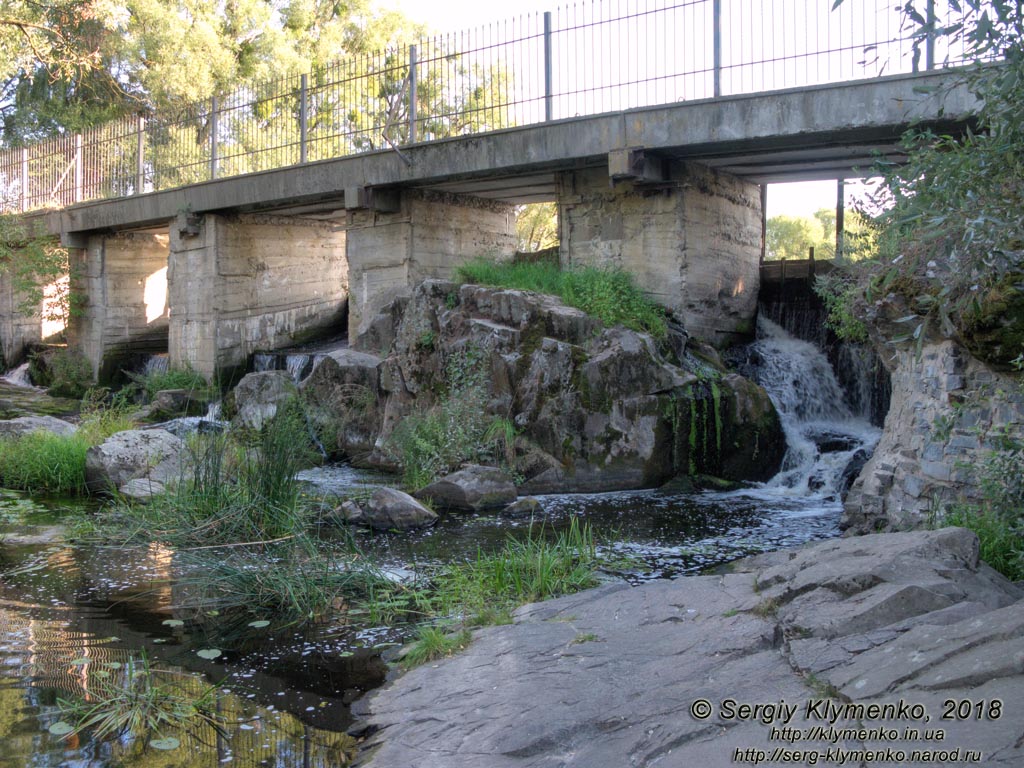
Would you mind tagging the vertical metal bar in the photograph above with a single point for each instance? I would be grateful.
(303, 118)
(548, 96)
(716, 25)
(24, 179)
(764, 222)
(79, 175)
(140, 155)
(840, 216)
(213, 137)
(412, 94)
(929, 42)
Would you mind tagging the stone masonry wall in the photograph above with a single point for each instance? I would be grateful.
(947, 412)
(244, 283)
(431, 234)
(694, 246)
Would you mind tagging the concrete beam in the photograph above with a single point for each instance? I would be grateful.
(844, 113)
(635, 165)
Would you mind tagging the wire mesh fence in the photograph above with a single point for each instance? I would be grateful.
(580, 59)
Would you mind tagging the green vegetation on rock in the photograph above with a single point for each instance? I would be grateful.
(610, 295)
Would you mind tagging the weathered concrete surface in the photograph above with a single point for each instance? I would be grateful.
(694, 248)
(607, 678)
(244, 283)
(123, 280)
(949, 412)
(429, 236)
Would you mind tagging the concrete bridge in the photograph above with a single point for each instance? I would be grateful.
(673, 194)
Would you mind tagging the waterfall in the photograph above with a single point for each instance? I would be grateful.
(826, 440)
(18, 377)
(155, 364)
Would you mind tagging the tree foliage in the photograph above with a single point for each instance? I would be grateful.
(952, 237)
(536, 227)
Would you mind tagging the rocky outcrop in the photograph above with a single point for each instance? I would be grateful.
(949, 412)
(136, 453)
(655, 675)
(471, 488)
(386, 509)
(259, 395)
(596, 408)
(23, 425)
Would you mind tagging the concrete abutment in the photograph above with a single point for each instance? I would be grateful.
(691, 239)
(249, 282)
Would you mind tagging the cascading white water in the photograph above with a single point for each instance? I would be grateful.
(822, 434)
(18, 377)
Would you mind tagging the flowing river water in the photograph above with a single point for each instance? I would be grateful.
(76, 617)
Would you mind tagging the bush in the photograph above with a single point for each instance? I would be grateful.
(610, 295)
(65, 373)
(172, 378)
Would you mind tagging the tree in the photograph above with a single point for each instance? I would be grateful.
(536, 227)
(791, 237)
(951, 242)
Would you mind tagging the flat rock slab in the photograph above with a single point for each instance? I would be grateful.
(611, 677)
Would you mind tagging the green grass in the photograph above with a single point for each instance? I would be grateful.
(1001, 542)
(42, 462)
(142, 701)
(432, 643)
(172, 378)
(538, 568)
(610, 295)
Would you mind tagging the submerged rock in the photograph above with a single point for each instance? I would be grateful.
(386, 509)
(471, 488)
(23, 425)
(525, 507)
(154, 454)
(607, 678)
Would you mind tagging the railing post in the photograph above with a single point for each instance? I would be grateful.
(303, 116)
(716, 12)
(840, 216)
(929, 41)
(24, 179)
(412, 94)
(548, 103)
(213, 137)
(140, 155)
(79, 175)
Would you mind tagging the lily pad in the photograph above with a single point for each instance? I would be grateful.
(168, 743)
(208, 653)
(173, 623)
(259, 624)
(60, 728)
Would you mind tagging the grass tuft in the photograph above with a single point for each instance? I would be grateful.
(432, 643)
(42, 462)
(610, 295)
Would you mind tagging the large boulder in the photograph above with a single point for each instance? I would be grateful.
(342, 395)
(387, 509)
(23, 425)
(155, 454)
(471, 488)
(259, 395)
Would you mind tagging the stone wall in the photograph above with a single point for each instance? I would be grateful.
(693, 244)
(244, 283)
(18, 331)
(123, 280)
(430, 235)
(947, 412)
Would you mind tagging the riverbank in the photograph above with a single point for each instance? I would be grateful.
(617, 676)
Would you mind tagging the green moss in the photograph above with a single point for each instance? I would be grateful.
(716, 398)
(693, 432)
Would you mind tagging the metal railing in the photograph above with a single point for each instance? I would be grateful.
(581, 59)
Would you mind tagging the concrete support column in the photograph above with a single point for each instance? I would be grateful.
(239, 284)
(691, 238)
(122, 279)
(425, 235)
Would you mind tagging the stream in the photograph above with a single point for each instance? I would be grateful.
(76, 617)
